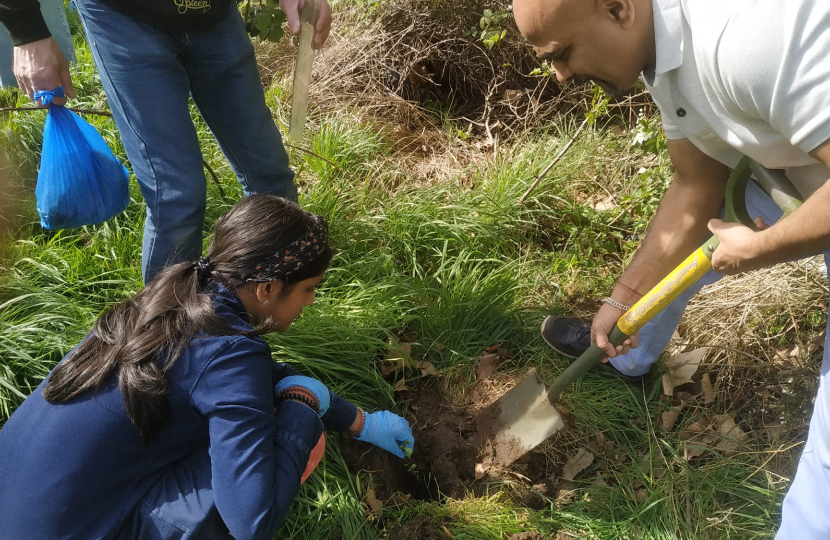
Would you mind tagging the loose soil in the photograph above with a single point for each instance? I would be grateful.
(447, 448)
(418, 528)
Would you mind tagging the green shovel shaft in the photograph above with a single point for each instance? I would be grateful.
(681, 278)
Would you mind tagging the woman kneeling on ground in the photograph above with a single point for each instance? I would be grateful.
(171, 420)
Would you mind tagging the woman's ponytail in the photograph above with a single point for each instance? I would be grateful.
(139, 339)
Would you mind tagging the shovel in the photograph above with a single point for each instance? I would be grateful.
(526, 416)
(302, 72)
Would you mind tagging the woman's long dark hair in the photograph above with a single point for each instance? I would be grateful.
(139, 339)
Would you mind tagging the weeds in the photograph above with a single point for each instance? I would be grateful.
(458, 262)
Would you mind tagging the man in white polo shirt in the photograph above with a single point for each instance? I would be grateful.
(731, 78)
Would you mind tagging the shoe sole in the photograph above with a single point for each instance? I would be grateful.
(551, 345)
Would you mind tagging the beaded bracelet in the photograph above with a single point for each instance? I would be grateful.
(302, 398)
(359, 429)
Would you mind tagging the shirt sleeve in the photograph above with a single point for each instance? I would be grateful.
(23, 20)
(341, 414)
(671, 130)
(783, 78)
(257, 455)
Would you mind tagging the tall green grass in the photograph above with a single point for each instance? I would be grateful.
(463, 264)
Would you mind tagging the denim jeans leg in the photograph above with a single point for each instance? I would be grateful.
(148, 91)
(226, 85)
(180, 506)
(655, 335)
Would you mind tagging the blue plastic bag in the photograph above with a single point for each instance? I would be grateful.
(80, 181)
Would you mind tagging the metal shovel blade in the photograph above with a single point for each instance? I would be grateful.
(517, 422)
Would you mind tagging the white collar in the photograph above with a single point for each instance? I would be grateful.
(668, 37)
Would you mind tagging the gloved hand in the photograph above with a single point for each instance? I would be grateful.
(312, 385)
(388, 431)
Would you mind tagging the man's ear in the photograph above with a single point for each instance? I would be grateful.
(619, 11)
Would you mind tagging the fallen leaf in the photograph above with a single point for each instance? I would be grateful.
(438, 346)
(670, 416)
(374, 504)
(485, 365)
(398, 498)
(603, 204)
(696, 438)
(708, 391)
(492, 348)
(668, 386)
(505, 354)
(731, 436)
(682, 366)
(599, 481)
(396, 350)
(577, 463)
(652, 465)
(410, 337)
(601, 446)
(480, 471)
(640, 495)
(390, 366)
(675, 345)
(426, 368)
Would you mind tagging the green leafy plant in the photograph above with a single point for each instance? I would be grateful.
(264, 20)
(649, 136)
(489, 30)
(545, 70)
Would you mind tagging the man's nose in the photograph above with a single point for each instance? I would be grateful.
(562, 72)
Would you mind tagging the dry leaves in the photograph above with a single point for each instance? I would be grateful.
(398, 356)
(714, 432)
(371, 500)
(426, 368)
(670, 416)
(603, 204)
(708, 390)
(682, 366)
(577, 463)
(485, 365)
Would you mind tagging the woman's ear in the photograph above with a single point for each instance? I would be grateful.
(268, 291)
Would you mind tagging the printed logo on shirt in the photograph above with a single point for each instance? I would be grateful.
(188, 5)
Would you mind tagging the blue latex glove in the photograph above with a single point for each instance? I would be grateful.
(313, 385)
(388, 431)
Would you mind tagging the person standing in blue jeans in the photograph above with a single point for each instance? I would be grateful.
(54, 15)
(152, 55)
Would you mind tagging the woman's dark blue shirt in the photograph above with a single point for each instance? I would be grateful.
(78, 469)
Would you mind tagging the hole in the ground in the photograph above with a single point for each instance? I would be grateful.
(447, 448)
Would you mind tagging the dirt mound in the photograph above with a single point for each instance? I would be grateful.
(419, 528)
(443, 462)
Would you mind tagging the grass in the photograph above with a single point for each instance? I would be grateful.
(461, 263)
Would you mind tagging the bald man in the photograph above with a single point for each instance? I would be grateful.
(744, 77)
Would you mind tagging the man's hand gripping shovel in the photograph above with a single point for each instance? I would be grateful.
(525, 416)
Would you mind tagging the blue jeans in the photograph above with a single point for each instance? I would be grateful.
(148, 75)
(55, 17)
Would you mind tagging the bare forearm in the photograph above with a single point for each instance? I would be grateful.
(678, 228)
(806, 232)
